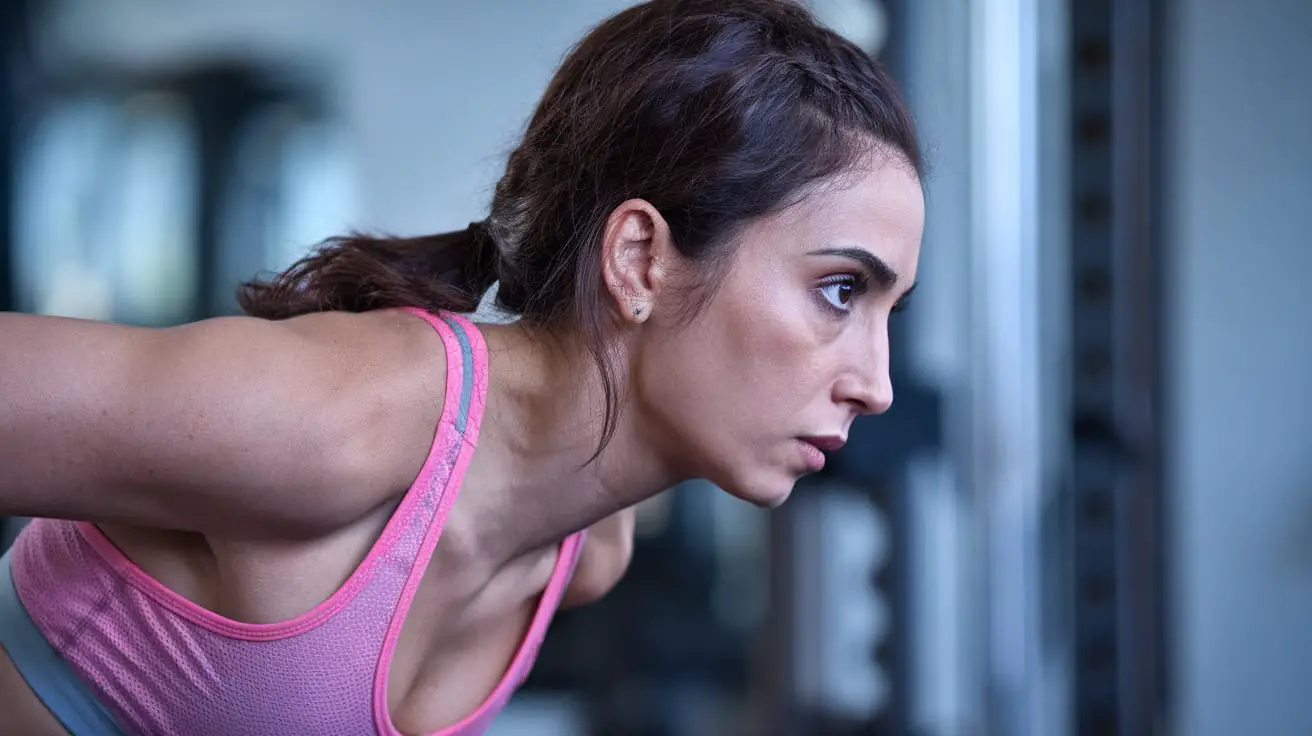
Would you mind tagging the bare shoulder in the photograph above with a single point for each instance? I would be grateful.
(393, 384)
(226, 425)
(372, 385)
(390, 357)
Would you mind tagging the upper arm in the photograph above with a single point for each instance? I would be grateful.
(223, 425)
(607, 551)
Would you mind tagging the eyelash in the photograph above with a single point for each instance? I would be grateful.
(858, 283)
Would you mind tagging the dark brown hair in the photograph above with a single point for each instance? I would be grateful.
(716, 112)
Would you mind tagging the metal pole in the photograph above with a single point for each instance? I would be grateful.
(15, 22)
(15, 18)
(1137, 262)
(1116, 330)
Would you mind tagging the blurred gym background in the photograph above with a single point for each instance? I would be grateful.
(1090, 510)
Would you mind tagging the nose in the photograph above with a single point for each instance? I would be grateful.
(866, 386)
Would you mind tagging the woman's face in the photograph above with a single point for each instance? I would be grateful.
(793, 345)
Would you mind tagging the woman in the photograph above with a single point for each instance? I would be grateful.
(279, 523)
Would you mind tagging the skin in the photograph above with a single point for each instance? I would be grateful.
(276, 452)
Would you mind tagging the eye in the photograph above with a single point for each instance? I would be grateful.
(839, 295)
(839, 292)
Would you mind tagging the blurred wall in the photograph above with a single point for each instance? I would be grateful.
(434, 93)
(1240, 166)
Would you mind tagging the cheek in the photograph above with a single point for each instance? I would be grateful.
(725, 393)
(780, 338)
(744, 369)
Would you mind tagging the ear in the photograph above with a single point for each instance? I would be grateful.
(636, 254)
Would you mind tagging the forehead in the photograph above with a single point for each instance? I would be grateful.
(879, 206)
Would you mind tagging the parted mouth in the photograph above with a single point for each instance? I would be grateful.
(827, 443)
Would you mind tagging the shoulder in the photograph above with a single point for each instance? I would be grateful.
(394, 370)
(226, 425)
(370, 388)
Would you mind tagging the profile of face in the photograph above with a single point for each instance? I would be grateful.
(793, 344)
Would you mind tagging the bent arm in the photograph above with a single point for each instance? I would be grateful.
(224, 425)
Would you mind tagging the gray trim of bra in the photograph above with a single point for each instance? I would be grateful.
(59, 688)
(467, 381)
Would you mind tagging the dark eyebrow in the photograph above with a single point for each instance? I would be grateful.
(882, 274)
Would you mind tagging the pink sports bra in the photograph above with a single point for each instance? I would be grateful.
(158, 664)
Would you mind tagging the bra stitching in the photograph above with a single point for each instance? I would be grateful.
(68, 639)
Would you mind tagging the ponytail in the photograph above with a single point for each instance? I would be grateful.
(361, 273)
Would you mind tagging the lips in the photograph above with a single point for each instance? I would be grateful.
(813, 450)
(828, 443)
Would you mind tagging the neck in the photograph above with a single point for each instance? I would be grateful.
(530, 483)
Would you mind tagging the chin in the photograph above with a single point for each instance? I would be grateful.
(766, 491)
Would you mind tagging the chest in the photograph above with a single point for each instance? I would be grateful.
(460, 642)
(457, 648)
